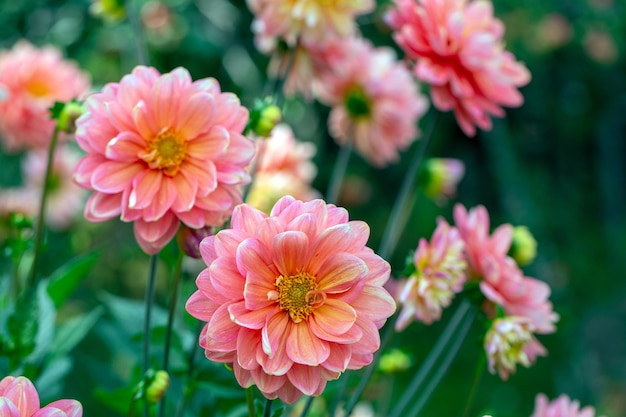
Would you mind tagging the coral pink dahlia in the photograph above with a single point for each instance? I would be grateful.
(19, 398)
(292, 299)
(561, 407)
(163, 149)
(31, 80)
(458, 49)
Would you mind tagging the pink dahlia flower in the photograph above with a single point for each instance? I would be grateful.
(163, 149)
(501, 280)
(31, 80)
(375, 102)
(439, 274)
(458, 49)
(281, 152)
(19, 398)
(561, 407)
(292, 299)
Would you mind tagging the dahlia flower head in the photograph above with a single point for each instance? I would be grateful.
(500, 279)
(31, 80)
(458, 50)
(510, 341)
(560, 407)
(375, 102)
(163, 149)
(292, 299)
(19, 398)
(439, 275)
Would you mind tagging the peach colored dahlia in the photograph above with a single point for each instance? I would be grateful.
(458, 49)
(439, 274)
(31, 80)
(560, 407)
(292, 299)
(375, 102)
(19, 398)
(501, 280)
(163, 149)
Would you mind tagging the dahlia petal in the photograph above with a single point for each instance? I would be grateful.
(290, 250)
(335, 317)
(209, 145)
(374, 296)
(247, 219)
(276, 362)
(240, 151)
(226, 242)
(196, 115)
(243, 376)
(145, 123)
(205, 173)
(253, 256)
(247, 342)
(201, 307)
(22, 393)
(288, 393)
(207, 249)
(112, 177)
(256, 291)
(71, 408)
(370, 342)
(304, 347)
(268, 228)
(118, 116)
(379, 269)
(84, 169)
(165, 100)
(187, 188)
(232, 174)
(226, 279)
(146, 185)
(221, 328)
(153, 236)
(8, 409)
(162, 201)
(340, 272)
(305, 378)
(352, 335)
(125, 147)
(306, 223)
(339, 358)
(101, 207)
(335, 239)
(283, 204)
(205, 285)
(251, 319)
(268, 382)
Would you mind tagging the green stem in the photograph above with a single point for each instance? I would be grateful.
(42, 208)
(480, 368)
(147, 327)
(267, 411)
(182, 402)
(250, 401)
(397, 220)
(307, 406)
(339, 172)
(431, 359)
(140, 43)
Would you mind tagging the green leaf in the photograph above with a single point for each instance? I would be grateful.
(50, 379)
(64, 281)
(23, 323)
(56, 109)
(72, 332)
(118, 400)
(45, 322)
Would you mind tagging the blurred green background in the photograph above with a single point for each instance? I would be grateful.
(557, 165)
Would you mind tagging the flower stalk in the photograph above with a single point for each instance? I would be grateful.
(149, 300)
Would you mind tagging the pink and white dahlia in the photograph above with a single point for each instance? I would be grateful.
(439, 274)
(163, 149)
(31, 80)
(458, 49)
(281, 152)
(292, 299)
(561, 407)
(375, 102)
(501, 280)
(509, 342)
(19, 398)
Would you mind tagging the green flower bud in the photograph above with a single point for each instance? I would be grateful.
(264, 117)
(394, 361)
(157, 387)
(524, 246)
(67, 117)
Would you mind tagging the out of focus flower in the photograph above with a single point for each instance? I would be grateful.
(19, 398)
(361, 409)
(523, 246)
(458, 49)
(189, 239)
(439, 178)
(31, 80)
(157, 387)
(561, 407)
(109, 10)
(600, 46)
(509, 342)
(263, 118)
(269, 187)
(553, 31)
(375, 102)
(439, 274)
(18, 200)
(292, 299)
(163, 27)
(163, 149)
(394, 361)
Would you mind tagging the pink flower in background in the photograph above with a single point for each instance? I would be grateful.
(163, 149)
(440, 273)
(509, 342)
(19, 398)
(18, 200)
(269, 187)
(561, 407)
(375, 102)
(292, 299)
(65, 199)
(458, 49)
(31, 80)
(282, 152)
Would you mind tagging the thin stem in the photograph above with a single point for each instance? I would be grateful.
(267, 411)
(250, 402)
(170, 321)
(182, 402)
(307, 406)
(140, 43)
(146, 326)
(42, 208)
(431, 359)
(396, 220)
(443, 368)
(480, 368)
(339, 172)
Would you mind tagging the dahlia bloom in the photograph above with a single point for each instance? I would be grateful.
(282, 152)
(292, 299)
(510, 341)
(163, 149)
(269, 187)
(458, 49)
(375, 102)
(501, 280)
(31, 80)
(439, 274)
(19, 398)
(561, 407)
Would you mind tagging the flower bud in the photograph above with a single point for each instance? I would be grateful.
(439, 178)
(394, 361)
(157, 387)
(523, 247)
(67, 118)
(109, 10)
(189, 239)
(264, 117)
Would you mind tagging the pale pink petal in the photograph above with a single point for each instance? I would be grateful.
(72, 408)
(341, 272)
(290, 250)
(304, 347)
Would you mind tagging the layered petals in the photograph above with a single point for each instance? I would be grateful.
(19, 398)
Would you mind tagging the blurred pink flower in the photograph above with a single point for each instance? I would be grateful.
(440, 273)
(31, 80)
(282, 152)
(375, 102)
(19, 398)
(292, 299)
(561, 407)
(18, 200)
(458, 49)
(501, 280)
(163, 149)
(269, 187)
(65, 199)
(510, 341)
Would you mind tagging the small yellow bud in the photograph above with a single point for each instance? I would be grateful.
(270, 117)
(524, 246)
(394, 361)
(439, 178)
(67, 118)
(109, 10)
(157, 387)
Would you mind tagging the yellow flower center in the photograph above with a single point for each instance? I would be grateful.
(166, 151)
(298, 295)
(37, 88)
